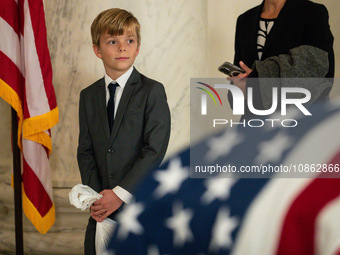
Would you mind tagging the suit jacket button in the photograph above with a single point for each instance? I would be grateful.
(112, 175)
(110, 151)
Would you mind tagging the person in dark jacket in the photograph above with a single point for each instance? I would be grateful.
(274, 28)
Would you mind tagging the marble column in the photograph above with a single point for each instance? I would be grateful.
(174, 46)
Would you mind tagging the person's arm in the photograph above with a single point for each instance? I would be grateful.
(240, 80)
(155, 137)
(237, 56)
(318, 34)
(85, 155)
(237, 47)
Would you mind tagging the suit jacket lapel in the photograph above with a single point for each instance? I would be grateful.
(251, 36)
(254, 28)
(279, 25)
(124, 100)
(102, 107)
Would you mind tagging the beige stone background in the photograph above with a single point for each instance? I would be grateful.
(180, 39)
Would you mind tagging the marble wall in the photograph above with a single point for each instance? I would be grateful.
(180, 39)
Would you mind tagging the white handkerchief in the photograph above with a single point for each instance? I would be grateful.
(82, 197)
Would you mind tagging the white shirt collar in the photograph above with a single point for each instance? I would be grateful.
(121, 80)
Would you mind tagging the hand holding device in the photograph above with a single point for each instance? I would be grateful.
(230, 69)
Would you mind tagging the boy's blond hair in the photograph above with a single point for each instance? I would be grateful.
(114, 21)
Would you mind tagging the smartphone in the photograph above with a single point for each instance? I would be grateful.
(230, 69)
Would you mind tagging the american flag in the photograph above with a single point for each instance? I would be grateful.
(175, 214)
(26, 84)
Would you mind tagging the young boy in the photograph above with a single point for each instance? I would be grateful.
(124, 119)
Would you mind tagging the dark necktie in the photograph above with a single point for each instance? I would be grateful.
(111, 104)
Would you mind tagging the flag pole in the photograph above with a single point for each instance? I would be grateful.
(19, 241)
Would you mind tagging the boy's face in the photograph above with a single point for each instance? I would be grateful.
(117, 52)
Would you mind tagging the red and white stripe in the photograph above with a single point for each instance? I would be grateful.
(328, 229)
(26, 71)
(298, 215)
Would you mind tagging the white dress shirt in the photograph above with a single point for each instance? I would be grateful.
(121, 80)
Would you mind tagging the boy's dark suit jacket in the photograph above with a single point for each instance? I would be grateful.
(138, 141)
(300, 22)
